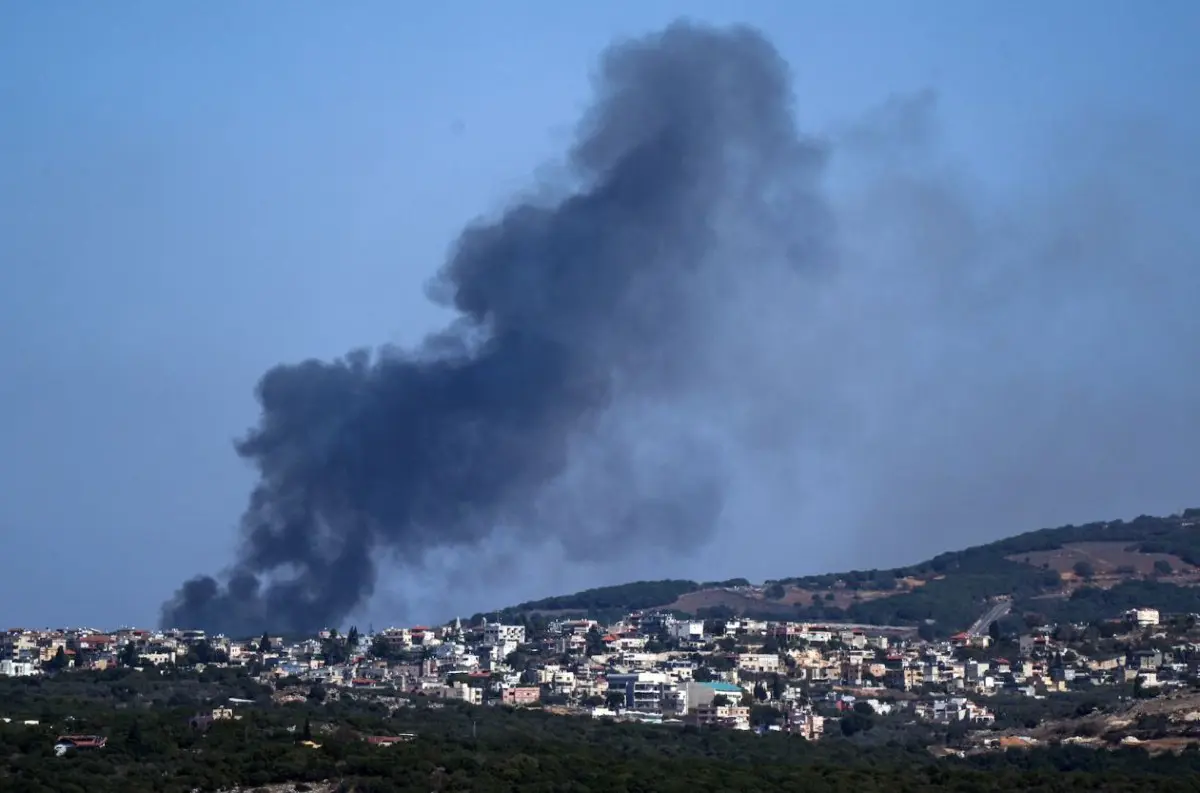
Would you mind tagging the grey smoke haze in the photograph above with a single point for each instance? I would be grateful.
(569, 399)
(704, 337)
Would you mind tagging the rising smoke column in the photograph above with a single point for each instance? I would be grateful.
(555, 405)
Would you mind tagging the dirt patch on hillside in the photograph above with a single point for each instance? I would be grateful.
(842, 598)
(1182, 710)
(739, 602)
(755, 602)
(1106, 559)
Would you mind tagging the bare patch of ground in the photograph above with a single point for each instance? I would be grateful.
(1112, 563)
(1181, 708)
(1105, 557)
(739, 602)
(755, 602)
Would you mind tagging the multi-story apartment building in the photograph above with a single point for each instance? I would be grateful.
(736, 717)
(764, 663)
(644, 691)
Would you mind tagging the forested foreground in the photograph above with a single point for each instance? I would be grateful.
(152, 747)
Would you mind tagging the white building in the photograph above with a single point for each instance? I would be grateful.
(816, 634)
(464, 692)
(505, 638)
(17, 669)
(1143, 617)
(736, 717)
(758, 662)
(688, 630)
(495, 633)
(805, 723)
(645, 691)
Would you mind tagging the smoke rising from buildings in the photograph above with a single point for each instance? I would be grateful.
(556, 405)
(727, 326)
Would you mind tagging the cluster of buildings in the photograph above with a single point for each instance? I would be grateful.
(739, 674)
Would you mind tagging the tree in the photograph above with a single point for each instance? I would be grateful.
(764, 715)
(201, 653)
(1084, 569)
(956, 732)
(380, 647)
(776, 591)
(129, 655)
(306, 735)
(1162, 567)
(264, 644)
(333, 649)
(595, 642)
(855, 722)
(536, 626)
(59, 661)
(884, 579)
(615, 700)
(720, 700)
(760, 691)
(994, 630)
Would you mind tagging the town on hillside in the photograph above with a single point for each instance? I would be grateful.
(1131, 678)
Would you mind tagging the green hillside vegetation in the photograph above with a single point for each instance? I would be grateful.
(151, 747)
(627, 597)
(1086, 603)
(953, 587)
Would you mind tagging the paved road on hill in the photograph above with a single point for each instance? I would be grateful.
(980, 626)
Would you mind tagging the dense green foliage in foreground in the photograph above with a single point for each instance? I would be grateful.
(152, 748)
(957, 583)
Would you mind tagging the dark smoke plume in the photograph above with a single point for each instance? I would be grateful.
(556, 406)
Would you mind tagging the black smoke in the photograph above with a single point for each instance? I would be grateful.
(556, 406)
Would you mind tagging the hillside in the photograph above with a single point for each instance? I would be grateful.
(1076, 573)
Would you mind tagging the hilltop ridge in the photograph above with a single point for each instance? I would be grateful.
(1066, 573)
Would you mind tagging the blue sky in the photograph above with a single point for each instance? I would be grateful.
(191, 193)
